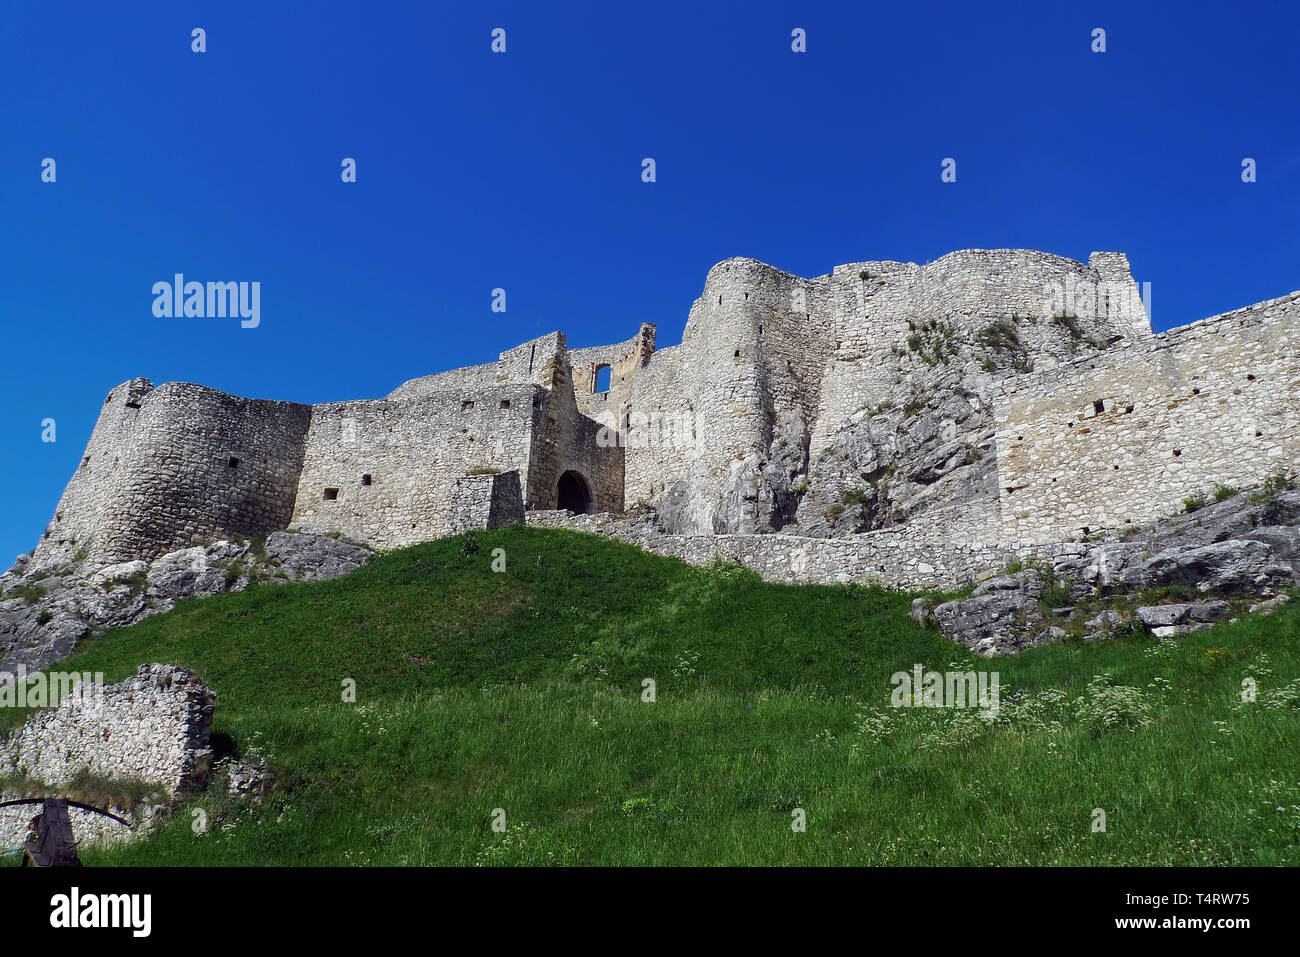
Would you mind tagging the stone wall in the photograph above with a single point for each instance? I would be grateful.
(485, 501)
(880, 321)
(565, 440)
(624, 360)
(879, 383)
(1122, 437)
(174, 466)
(152, 727)
(888, 558)
(390, 472)
(87, 827)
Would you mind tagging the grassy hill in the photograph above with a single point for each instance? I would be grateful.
(522, 690)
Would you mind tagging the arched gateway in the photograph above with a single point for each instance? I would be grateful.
(573, 493)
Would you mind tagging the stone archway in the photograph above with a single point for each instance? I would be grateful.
(574, 494)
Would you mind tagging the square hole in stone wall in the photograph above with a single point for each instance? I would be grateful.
(467, 405)
(366, 480)
(232, 462)
(505, 403)
(330, 494)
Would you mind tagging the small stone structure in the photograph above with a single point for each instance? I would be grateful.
(153, 727)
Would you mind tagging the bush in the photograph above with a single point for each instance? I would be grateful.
(1273, 486)
(853, 497)
(1107, 707)
(999, 335)
(1224, 492)
(1194, 502)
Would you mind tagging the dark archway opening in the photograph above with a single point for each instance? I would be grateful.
(573, 494)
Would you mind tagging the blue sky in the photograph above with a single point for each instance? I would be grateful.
(522, 171)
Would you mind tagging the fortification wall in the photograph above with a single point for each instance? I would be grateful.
(528, 361)
(887, 326)
(1124, 436)
(772, 369)
(748, 368)
(385, 472)
(887, 558)
(470, 378)
(75, 526)
(625, 361)
(566, 440)
(521, 365)
(175, 466)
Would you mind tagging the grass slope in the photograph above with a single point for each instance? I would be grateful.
(522, 691)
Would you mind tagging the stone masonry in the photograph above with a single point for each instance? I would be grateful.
(893, 421)
(152, 727)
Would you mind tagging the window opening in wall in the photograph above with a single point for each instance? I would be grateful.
(505, 403)
(330, 494)
(85, 461)
(1177, 452)
(746, 295)
(1250, 378)
(537, 403)
(737, 355)
(603, 375)
(532, 354)
(719, 300)
(467, 405)
(1128, 409)
(232, 462)
(1196, 392)
(1258, 434)
(367, 480)
(1098, 406)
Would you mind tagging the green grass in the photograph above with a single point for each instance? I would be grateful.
(523, 691)
(30, 594)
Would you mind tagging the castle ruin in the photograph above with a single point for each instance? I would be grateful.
(987, 399)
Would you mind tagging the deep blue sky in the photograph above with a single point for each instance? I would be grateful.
(522, 171)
